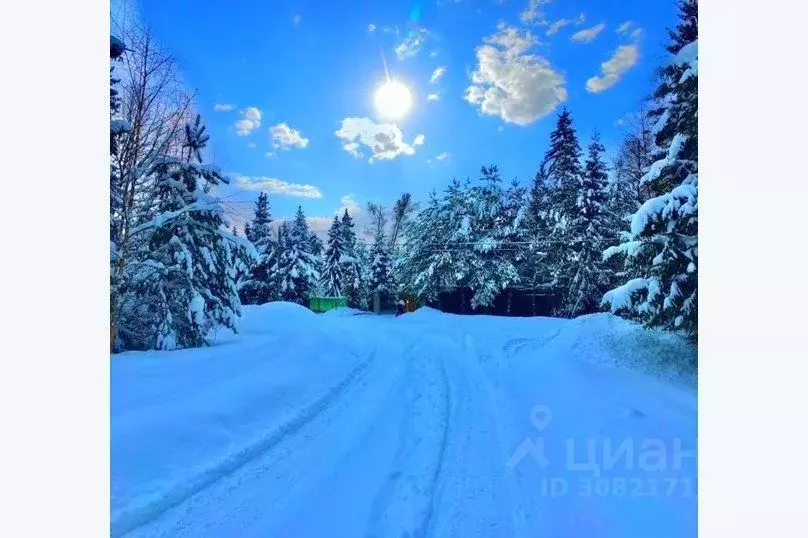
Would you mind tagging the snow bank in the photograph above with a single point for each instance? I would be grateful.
(424, 311)
(259, 319)
(344, 311)
(181, 419)
(608, 339)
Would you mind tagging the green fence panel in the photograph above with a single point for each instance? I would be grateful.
(323, 304)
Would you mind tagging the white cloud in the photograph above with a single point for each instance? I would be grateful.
(442, 156)
(500, 129)
(437, 74)
(348, 202)
(321, 225)
(628, 28)
(284, 137)
(353, 149)
(518, 87)
(433, 54)
(318, 225)
(250, 120)
(371, 28)
(561, 23)
(385, 140)
(225, 107)
(269, 154)
(432, 97)
(296, 20)
(276, 186)
(623, 59)
(588, 35)
(533, 13)
(419, 140)
(558, 25)
(251, 145)
(624, 27)
(412, 43)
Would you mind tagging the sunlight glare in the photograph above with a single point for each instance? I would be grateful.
(392, 100)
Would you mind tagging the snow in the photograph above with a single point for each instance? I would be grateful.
(669, 159)
(343, 311)
(687, 55)
(621, 297)
(423, 425)
(679, 203)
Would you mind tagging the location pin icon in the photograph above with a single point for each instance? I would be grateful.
(540, 416)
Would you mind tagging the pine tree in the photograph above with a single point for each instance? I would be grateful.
(352, 269)
(295, 270)
(535, 271)
(184, 285)
(563, 166)
(235, 231)
(589, 232)
(663, 244)
(563, 179)
(260, 286)
(261, 220)
(379, 281)
(423, 268)
(491, 230)
(332, 276)
(317, 251)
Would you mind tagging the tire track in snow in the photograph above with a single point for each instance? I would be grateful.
(403, 506)
(132, 517)
(477, 494)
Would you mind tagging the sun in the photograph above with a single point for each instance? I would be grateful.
(393, 100)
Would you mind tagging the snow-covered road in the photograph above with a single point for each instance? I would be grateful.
(423, 425)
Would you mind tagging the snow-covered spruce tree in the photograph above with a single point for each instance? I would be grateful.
(589, 232)
(183, 285)
(364, 261)
(563, 167)
(296, 271)
(663, 242)
(563, 180)
(516, 209)
(379, 277)
(260, 287)
(248, 231)
(534, 270)
(352, 281)
(422, 270)
(331, 279)
(261, 220)
(318, 252)
(492, 229)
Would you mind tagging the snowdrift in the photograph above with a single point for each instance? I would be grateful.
(344, 311)
(611, 340)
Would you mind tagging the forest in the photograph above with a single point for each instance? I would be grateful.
(594, 233)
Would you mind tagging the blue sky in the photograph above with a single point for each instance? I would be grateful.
(297, 69)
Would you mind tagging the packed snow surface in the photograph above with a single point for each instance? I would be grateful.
(427, 424)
